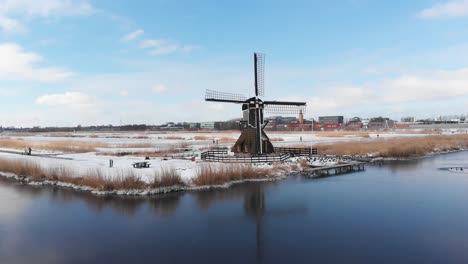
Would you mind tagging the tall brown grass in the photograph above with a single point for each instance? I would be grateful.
(95, 178)
(343, 134)
(77, 146)
(226, 140)
(64, 146)
(166, 177)
(365, 134)
(133, 145)
(175, 138)
(277, 139)
(398, 147)
(176, 150)
(201, 138)
(209, 174)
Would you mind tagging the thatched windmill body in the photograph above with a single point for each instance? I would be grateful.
(253, 139)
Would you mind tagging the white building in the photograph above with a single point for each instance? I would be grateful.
(207, 125)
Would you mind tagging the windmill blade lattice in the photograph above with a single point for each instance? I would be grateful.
(259, 64)
(224, 97)
(285, 109)
(253, 139)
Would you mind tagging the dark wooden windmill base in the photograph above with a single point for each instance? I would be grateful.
(247, 158)
(279, 156)
(246, 144)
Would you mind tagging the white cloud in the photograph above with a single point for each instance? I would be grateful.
(164, 50)
(452, 8)
(12, 12)
(123, 93)
(159, 88)
(439, 85)
(9, 25)
(152, 43)
(73, 100)
(46, 8)
(431, 87)
(17, 64)
(216, 106)
(162, 46)
(6, 92)
(133, 35)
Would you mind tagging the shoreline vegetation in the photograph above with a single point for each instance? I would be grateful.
(210, 175)
(128, 183)
(395, 148)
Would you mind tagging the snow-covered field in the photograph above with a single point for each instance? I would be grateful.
(175, 149)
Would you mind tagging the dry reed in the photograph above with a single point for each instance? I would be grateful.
(64, 146)
(277, 139)
(94, 178)
(398, 147)
(201, 138)
(209, 174)
(133, 145)
(343, 134)
(166, 177)
(226, 140)
(174, 138)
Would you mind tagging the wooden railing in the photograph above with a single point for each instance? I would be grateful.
(296, 151)
(215, 156)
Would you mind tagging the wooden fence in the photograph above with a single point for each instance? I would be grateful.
(215, 156)
(297, 151)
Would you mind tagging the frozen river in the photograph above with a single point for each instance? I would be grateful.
(400, 212)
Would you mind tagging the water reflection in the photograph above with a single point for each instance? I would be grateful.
(421, 214)
(397, 165)
(12, 205)
(251, 195)
(254, 206)
(165, 204)
(162, 205)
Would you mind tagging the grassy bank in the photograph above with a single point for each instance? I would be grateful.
(206, 175)
(94, 178)
(71, 146)
(63, 146)
(398, 147)
(209, 174)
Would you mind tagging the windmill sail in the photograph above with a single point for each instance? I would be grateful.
(281, 107)
(216, 96)
(259, 65)
(253, 138)
(285, 109)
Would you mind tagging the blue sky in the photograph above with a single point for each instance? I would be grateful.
(69, 62)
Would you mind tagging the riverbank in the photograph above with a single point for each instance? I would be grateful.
(127, 183)
(414, 205)
(395, 148)
(90, 172)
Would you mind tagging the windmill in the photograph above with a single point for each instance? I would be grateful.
(253, 138)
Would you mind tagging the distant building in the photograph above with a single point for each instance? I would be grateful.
(329, 123)
(331, 119)
(228, 125)
(354, 123)
(326, 126)
(409, 119)
(194, 125)
(380, 123)
(301, 117)
(207, 125)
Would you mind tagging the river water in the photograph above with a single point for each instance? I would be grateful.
(400, 212)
